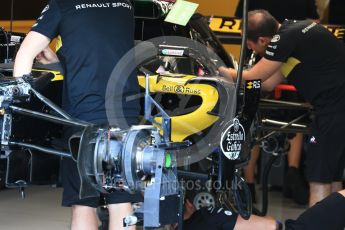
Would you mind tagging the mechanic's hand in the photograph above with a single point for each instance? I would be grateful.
(189, 210)
(47, 56)
(228, 72)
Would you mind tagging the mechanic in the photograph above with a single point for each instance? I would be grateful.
(295, 185)
(93, 39)
(210, 218)
(326, 214)
(312, 60)
(222, 219)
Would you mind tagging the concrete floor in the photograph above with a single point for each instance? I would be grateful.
(41, 209)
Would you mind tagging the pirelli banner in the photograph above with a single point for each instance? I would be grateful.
(228, 29)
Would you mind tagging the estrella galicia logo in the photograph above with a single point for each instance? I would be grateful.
(232, 140)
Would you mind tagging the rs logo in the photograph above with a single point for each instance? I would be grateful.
(253, 85)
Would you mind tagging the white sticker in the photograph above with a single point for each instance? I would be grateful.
(269, 53)
(45, 9)
(228, 213)
(275, 38)
(172, 52)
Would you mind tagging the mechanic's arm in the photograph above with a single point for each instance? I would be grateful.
(47, 56)
(32, 45)
(342, 192)
(263, 70)
(272, 81)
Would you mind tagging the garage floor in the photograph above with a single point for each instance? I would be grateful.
(41, 209)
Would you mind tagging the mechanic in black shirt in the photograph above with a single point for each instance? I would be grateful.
(313, 60)
(295, 185)
(95, 35)
(209, 218)
(326, 214)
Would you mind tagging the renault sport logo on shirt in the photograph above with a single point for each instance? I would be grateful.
(42, 15)
(305, 30)
(269, 53)
(103, 5)
(45, 9)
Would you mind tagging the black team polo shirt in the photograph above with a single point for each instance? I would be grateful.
(95, 35)
(314, 62)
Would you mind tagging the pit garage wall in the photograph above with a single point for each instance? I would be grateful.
(24, 17)
(225, 8)
(25, 13)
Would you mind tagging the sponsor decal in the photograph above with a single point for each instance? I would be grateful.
(225, 25)
(253, 84)
(313, 140)
(275, 38)
(232, 140)
(41, 17)
(172, 52)
(45, 9)
(231, 25)
(272, 47)
(338, 31)
(269, 53)
(305, 30)
(180, 89)
(228, 213)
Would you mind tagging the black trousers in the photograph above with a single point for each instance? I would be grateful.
(328, 214)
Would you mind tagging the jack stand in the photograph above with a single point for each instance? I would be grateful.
(21, 184)
(181, 209)
(22, 192)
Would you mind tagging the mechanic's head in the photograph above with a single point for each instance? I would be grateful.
(262, 26)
